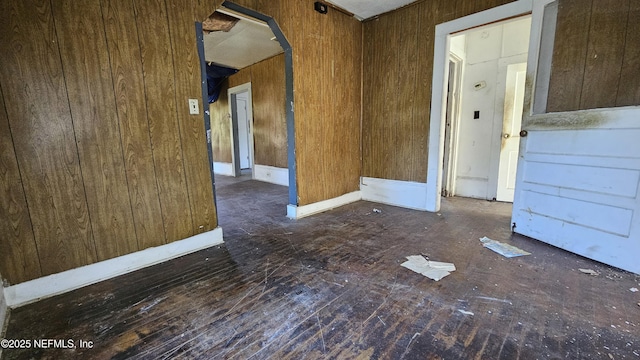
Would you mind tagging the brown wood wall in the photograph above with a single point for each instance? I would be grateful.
(398, 70)
(221, 127)
(596, 55)
(100, 157)
(269, 121)
(327, 84)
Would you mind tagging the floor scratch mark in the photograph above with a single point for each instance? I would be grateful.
(406, 350)
(324, 349)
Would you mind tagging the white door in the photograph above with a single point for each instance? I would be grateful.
(513, 105)
(578, 180)
(244, 132)
(578, 184)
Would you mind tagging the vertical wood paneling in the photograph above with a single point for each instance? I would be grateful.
(391, 85)
(309, 134)
(221, 127)
(203, 8)
(569, 53)
(348, 105)
(596, 55)
(241, 77)
(329, 117)
(269, 122)
(405, 138)
(605, 53)
(159, 79)
(18, 253)
(629, 87)
(422, 108)
(192, 132)
(92, 101)
(38, 110)
(80, 108)
(126, 69)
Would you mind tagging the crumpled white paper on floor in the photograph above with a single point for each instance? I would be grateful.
(434, 270)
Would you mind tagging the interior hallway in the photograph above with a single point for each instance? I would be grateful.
(331, 286)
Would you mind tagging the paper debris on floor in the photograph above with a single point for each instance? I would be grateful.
(466, 312)
(589, 272)
(434, 270)
(503, 249)
(633, 289)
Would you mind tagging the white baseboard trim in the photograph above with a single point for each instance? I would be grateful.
(51, 285)
(298, 212)
(270, 174)
(223, 168)
(407, 194)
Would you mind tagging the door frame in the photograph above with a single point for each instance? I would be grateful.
(289, 94)
(235, 147)
(450, 151)
(439, 85)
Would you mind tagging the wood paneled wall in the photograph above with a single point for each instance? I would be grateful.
(221, 127)
(398, 70)
(596, 56)
(269, 121)
(327, 85)
(100, 157)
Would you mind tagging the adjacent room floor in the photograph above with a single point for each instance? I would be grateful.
(331, 286)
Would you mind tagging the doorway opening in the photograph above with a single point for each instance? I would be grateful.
(484, 106)
(241, 142)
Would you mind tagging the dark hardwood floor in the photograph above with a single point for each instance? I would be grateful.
(331, 286)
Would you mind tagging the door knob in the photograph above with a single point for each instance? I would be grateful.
(524, 133)
(506, 136)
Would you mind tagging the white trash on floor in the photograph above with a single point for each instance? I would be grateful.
(503, 249)
(434, 270)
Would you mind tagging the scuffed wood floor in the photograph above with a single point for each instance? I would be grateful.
(331, 286)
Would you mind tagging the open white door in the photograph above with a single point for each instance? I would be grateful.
(513, 105)
(578, 178)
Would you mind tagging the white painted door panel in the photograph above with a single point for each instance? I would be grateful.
(243, 133)
(513, 105)
(578, 184)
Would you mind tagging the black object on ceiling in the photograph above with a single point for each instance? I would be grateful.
(215, 77)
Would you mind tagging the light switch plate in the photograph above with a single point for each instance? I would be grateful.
(193, 107)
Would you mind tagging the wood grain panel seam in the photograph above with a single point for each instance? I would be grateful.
(361, 170)
(117, 117)
(624, 51)
(586, 55)
(75, 139)
(175, 96)
(146, 106)
(24, 191)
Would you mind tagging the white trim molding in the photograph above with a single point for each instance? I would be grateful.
(298, 212)
(225, 169)
(407, 194)
(270, 174)
(51, 285)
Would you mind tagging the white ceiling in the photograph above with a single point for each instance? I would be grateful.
(248, 42)
(251, 41)
(364, 9)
